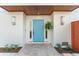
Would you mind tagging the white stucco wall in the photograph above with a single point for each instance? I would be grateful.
(30, 19)
(24, 28)
(19, 27)
(61, 33)
(10, 34)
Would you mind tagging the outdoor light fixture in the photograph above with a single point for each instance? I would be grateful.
(13, 21)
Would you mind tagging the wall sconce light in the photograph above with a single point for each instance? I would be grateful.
(13, 21)
(61, 20)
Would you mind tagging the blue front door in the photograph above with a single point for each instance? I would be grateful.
(38, 30)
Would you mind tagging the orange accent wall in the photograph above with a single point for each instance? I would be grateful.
(75, 35)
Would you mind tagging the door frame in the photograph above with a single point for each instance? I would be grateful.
(32, 30)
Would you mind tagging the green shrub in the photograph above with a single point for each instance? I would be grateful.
(9, 47)
(58, 45)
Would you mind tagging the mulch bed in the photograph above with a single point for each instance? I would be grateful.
(2, 50)
(64, 50)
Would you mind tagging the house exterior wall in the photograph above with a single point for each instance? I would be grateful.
(61, 33)
(19, 34)
(19, 28)
(29, 26)
(10, 34)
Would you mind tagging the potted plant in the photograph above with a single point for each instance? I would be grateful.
(48, 26)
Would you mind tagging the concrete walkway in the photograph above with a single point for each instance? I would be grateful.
(38, 50)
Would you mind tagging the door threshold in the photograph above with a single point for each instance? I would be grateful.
(46, 43)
